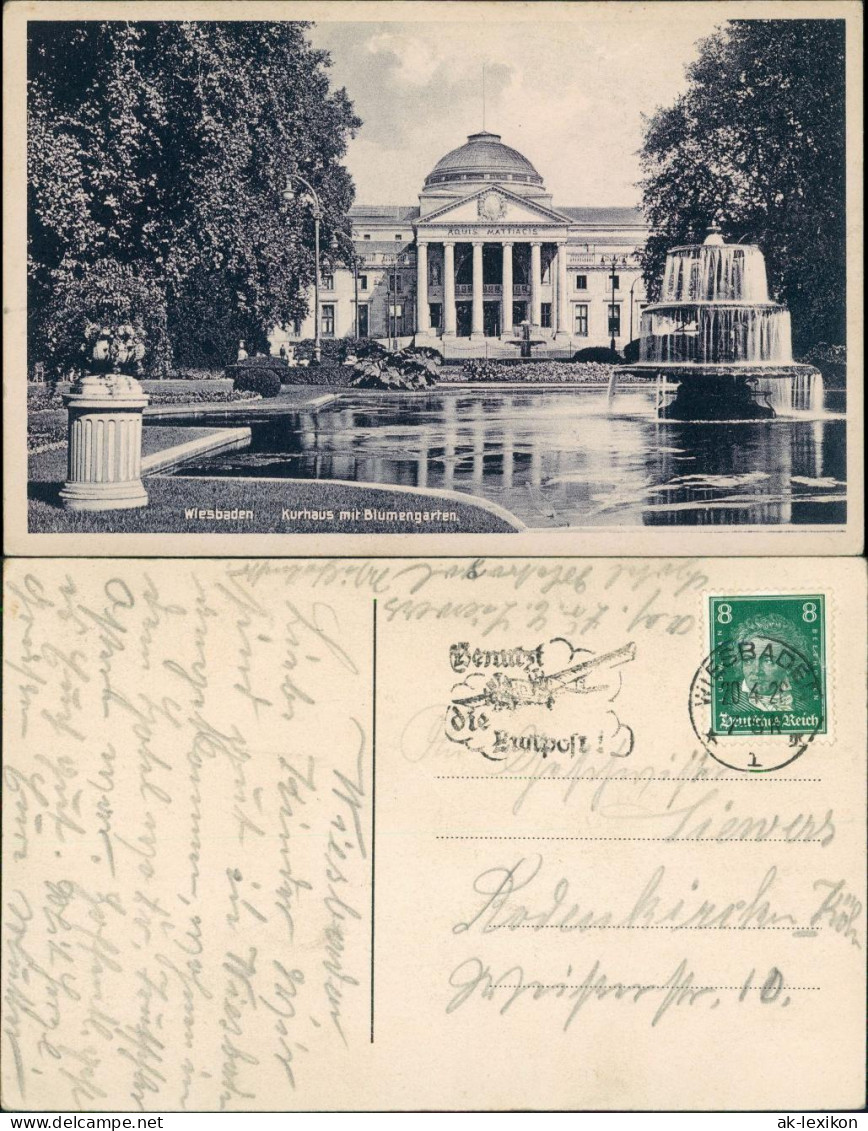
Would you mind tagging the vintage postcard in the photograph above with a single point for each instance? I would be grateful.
(424, 834)
(397, 278)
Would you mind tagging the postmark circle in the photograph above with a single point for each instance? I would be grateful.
(762, 752)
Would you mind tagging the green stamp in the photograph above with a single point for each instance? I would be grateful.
(767, 669)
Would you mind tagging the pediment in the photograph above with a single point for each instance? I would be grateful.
(494, 205)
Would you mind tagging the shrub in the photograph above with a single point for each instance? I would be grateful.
(831, 360)
(259, 374)
(822, 351)
(601, 354)
(407, 369)
(255, 379)
(426, 351)
(631, 351)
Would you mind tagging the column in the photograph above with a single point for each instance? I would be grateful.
(563, 294)
(535, 284)
(449, 290)
(506, 295)
(477, 324)
(423, 314)
(104, 465)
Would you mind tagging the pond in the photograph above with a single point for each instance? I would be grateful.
(565, 458)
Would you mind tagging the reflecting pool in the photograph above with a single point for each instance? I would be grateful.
(561, 458)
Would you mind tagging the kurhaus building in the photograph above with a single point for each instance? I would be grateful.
(485, 251)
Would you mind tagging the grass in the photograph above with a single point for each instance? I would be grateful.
(169, 497)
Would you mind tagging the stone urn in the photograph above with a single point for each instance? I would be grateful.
(104, 470)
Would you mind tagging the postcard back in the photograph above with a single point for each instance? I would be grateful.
(476, 833)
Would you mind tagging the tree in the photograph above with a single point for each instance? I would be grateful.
(759, 135)
(158, 152)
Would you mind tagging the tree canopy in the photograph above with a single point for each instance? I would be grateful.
(759, 136)
(157, 157)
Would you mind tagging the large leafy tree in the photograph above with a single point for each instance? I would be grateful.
(759, 136)
(158, 153)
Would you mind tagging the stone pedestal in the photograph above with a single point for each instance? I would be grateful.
(104, 470)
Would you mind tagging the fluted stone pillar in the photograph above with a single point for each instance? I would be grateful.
(104, 466)
(535, 284)
(563, 294)
(449, 290)
(423, 315)
(506, 293)
(477, 323)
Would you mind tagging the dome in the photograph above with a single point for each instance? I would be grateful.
(483, 157)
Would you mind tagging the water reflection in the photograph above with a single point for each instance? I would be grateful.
(561, 458)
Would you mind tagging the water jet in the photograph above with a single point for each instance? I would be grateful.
(717, 336)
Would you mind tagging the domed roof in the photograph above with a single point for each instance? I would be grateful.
(483, 157)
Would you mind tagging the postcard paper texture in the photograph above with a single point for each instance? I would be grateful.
(472, 277)
(514, 833)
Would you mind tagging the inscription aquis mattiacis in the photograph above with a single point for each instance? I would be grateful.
(525, 704)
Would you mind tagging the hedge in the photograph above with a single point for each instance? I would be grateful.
(601, 354)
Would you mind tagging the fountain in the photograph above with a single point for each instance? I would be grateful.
(526, 342)
(715, 333)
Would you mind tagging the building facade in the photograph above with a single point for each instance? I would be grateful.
(484, 252)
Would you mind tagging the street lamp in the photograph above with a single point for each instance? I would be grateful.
(614, 262)
(289, 194)
(394, 261)
(632, 285)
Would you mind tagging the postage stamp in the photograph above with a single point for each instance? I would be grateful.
(768, 675)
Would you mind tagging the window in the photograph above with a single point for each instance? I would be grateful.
(616, 283)
(614, 320)
(363, 282)
(296, 327)
(394, 282)
(436, 314)
(328, 281)
(545, 315)
(327, 320)
(581, 320)
(581, 282)
(399, 236)
(366, 236)
(434, 275)
(364, 322)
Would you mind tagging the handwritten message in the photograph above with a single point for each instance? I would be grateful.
(304, 834)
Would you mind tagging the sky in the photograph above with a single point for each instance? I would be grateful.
(569, 96)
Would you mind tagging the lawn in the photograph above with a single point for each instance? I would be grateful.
(170, 497)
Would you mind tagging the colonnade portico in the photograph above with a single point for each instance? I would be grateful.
(532, 292)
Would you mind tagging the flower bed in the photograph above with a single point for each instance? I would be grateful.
(41, 398)
(338, 376)
(46, 430)
(531, 372)
(201, 396)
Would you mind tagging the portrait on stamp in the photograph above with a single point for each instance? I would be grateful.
(768, 668)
